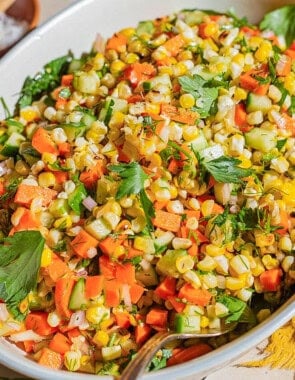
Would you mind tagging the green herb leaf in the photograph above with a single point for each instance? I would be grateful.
(57, 166)
(10, 190)
(20, 258)
(160, 360)
(202, 91)
(43, 82)
(235, 306)
(76, 197)
(281, 143)
(281, 22)
(224, 169)
(5, 108)
(133, 178)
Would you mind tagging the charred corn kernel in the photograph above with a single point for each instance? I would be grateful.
(204, 322)
(264, 240)
(101, 338)
(96, 314)
(63, 223)
(187, 101)
(214, 250)
(49, 158)
(207, 264)
(46, 179)
(240, 264)
(24, 305)
(53, 319)
(72, 360)
(259, 268)
(270, 262)
(184, 263)
(264, 51)
(240, 94)
(263, 314)
(117, 67)
(144, 244)
(233, 283)
(192, 277)
(46, 257)
(28, 113)
(287, 262)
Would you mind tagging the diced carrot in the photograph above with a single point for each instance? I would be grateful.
(132, 252)
(173, 45)
(175, 165)
(125, 273)
(60, 343)
(241, 117)
(201, 237)
(136, 291)
(142, 332)
(2, 188)
(67, 79)
(284, 65)
(200, 297)
(285, 122)
(189, 353)
(93, 286)
(207, 29)
(60, 177)
(25, 194)
(29, 346)
(117, 42)
(63, 291)
(193, 250)
(64, 149)
(60, 102)
(217, 209)
(50, 358)
(28, 221)
(180, 115)
(290, 53)
(82, 242)
(167, 221)
(248, 82)
(262, 89)
(159, 205)
(122, 319)
(112, 293)
(107, 267)
(166, 288)
(43, 142)
(178, 306)
(90, 176)
(157, 317)
(57, 268)
(137, 73)
(284, 223)
(37, 321)
(110, 243)
(250, 30)
(270, 280)
(73, 333)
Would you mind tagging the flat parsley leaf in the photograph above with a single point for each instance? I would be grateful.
(133, 178)
(20, 258)
(281, 22)
(224, 169)
(201, 91)
(235, 306)
(43, 82)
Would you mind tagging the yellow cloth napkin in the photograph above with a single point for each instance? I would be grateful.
(280, 351)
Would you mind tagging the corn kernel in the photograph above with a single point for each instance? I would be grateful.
(152, 108)
(207, 264)
(49, 158)
(28, 113)
(269, 262)
(117, 67)
(259, 268)
(46, 179)
(46, 257)
(204, 322)
(187, 101)
(214, 250)
(96, 314)
(184, 263)
(72, 360)
(240, 264)
(24, 305)
(240, 94)
(233, 283)
(190, 132)
(207, 207)
(105, 324)
(101, 338)
(63, 223)
(144, 244)
(192, 277)
(287, 263)
(290, 83)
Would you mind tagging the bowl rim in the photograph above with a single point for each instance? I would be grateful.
(213, 360)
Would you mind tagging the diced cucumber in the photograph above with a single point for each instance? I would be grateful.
(30, 154)
(12, 144)
(167, 263)
(59, 208)
(110, 106)
(76, 197)
(199, 143)
(73, 130)
(147, 277)
(14, 126)
(145, 27)
(258, 103)
(88, 119)
(78, 300)
(261, 139)
(74, 65)
(187, 323)
(98, 229)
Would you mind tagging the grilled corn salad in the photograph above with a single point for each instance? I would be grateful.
(148, 185)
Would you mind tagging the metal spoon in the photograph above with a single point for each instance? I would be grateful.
(137, 366)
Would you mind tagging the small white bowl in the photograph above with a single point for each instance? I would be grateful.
(75, 29)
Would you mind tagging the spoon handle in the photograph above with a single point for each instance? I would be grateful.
(137, 366)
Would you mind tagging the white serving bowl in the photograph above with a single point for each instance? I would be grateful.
(75, 29)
